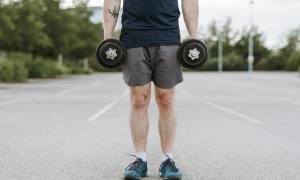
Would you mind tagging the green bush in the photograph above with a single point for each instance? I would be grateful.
(293, 62)
(6, 71)
(80, 70)
(77, 67)
(21, 72)
(17, 67)
(43, 68)
(13, 71)
(271, 63)
(19, 56)
(233, 62)
(76, 70)
(95, 66)
(63, 70)
(210, 65)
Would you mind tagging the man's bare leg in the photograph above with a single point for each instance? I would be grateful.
(139, 121)
(165, 99)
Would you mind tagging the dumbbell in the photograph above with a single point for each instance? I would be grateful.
(192, 53)
(111, 53)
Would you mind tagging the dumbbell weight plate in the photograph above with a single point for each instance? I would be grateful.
(192, 54)
(111, 53)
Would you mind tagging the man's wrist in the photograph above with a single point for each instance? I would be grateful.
(194, 36)
(108, 35)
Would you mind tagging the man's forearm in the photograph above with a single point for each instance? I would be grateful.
(111, 10)
(190, 9)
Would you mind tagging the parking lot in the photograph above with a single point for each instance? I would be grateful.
(231, 126)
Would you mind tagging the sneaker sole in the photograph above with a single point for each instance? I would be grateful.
(170, 178)
(133, 178)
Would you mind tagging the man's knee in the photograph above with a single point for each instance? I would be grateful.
(165, 100)
(140, 96)
(139, 101)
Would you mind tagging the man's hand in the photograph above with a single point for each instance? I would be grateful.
(190, 9)
(111, 10)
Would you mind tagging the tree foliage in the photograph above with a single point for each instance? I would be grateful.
(235, 49)
(41, 27)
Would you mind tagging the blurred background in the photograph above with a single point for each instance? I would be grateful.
(46, 38)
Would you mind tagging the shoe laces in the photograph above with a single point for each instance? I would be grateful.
(169, 163)
(135, 164)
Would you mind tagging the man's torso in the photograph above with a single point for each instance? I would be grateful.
(150, 23)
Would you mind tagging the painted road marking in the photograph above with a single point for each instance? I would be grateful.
(63, 92)
(234, 113)
(15, 101)
(108, 106)
(84, 87)
(184, 92)
(224, 109)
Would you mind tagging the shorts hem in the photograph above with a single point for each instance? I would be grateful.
(169, 86)
(137, 84)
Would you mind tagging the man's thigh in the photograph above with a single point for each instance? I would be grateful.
(167, 71)
(158, 64)
(137, 68)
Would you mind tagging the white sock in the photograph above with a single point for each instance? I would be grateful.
(142, 155)
(165, 156)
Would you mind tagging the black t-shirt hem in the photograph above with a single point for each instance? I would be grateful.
(154, 44)
(132, 38)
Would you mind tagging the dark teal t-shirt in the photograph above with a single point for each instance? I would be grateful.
(150, 23)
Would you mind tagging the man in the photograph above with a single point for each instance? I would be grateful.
(150, 33)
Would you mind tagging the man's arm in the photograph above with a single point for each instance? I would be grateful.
(190, 9)
(111, 10)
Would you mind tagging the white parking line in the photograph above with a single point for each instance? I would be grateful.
(14, 101)
(243, 92)
(223, 109)
(108, 107)
(184, 92)
(233, 112)
(84, 87)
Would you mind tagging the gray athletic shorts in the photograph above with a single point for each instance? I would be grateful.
(158, 64)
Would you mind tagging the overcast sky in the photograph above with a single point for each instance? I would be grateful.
(274, 17)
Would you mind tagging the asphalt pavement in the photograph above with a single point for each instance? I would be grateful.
(231, 126)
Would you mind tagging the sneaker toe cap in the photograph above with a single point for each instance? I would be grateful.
(173, 174)
(131, 173)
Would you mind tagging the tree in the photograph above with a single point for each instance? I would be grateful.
(30, 26)
(293, 40)
(287, 57)
(260, 50)
(228, 37)
(7, 20)
(290, 52)
(86, 33)
(58, 27)
(41, 27)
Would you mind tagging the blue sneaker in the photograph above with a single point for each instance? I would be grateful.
(136, 170)
(168, 170)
